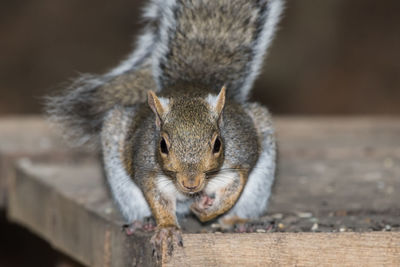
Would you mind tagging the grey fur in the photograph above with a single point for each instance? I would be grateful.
(254, 199)
(125, 192)
(214, 43)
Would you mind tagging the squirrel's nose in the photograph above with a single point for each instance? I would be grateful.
(190, 183)
(190, 186)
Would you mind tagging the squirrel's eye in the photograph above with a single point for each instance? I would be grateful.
(163, 146)
(217, 145)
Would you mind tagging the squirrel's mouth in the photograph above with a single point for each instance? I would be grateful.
(191, 189)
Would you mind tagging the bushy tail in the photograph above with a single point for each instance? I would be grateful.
(214, 42)
(80, 110)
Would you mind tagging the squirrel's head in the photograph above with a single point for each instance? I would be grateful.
(190, 146)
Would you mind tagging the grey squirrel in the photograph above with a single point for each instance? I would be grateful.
(177, 132)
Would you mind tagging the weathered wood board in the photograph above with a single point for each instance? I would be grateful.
(344, 163)
(325, 164)
(69, 207)
(319, 154)
(30, 136)
(289, 249)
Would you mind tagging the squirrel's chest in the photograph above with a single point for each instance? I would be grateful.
(168, 189)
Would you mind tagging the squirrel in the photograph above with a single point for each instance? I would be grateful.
(176, 130)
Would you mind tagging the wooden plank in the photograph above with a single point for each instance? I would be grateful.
(326, 164)
(289, 249)
(68, 205)
(318, 157)
(30, 136)
(349, 131)
(27, 135)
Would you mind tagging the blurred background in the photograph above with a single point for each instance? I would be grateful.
(329, 57)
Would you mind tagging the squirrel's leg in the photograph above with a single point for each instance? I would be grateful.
(126, 193)
(253, 201)
(208, 208)
(163, 208)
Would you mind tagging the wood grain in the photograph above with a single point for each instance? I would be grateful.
(79, 220)
(68, 205)
(31, 136)
(331, 163)
(325, 164)
(289, 249)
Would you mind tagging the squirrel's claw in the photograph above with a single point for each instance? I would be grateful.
(171, 235)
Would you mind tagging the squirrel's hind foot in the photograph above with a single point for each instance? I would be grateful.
(146, 225)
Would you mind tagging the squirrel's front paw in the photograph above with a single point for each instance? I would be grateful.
(171, 235)
(202, 203)
(202, 207)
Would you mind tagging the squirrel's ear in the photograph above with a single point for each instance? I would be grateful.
(158, 105)
(219, 106)
(216, 103)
